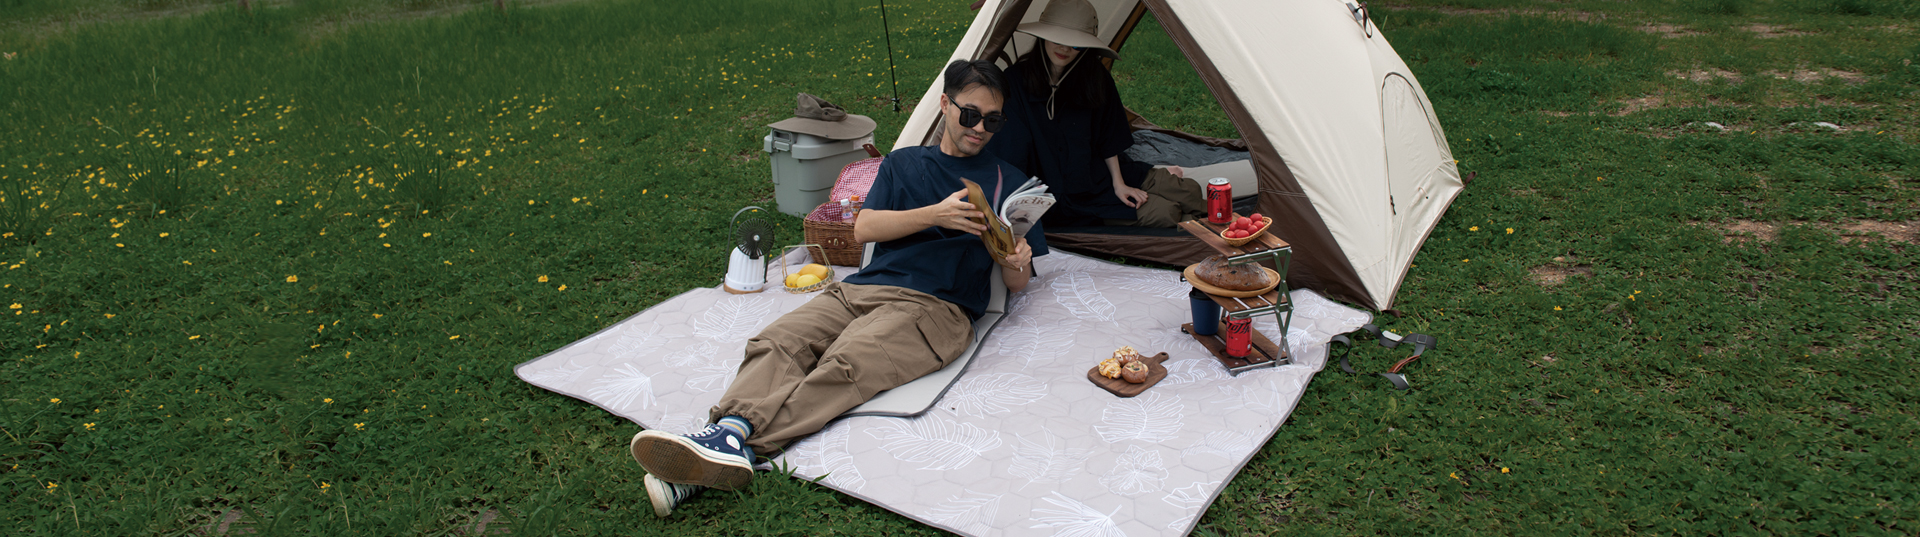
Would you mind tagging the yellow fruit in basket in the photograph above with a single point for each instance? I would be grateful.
(793, 280)
(805, 280)
(818, 271)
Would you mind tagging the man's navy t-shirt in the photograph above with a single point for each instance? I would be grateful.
(950, 265)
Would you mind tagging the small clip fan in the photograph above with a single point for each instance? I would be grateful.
(747, 265)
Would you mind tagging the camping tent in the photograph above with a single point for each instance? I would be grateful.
(1351, 162)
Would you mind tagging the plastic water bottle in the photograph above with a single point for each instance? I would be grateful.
(849, 208)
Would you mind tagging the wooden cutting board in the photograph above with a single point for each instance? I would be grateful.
(1120, 387)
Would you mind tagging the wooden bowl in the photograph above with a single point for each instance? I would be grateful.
(1265, 222)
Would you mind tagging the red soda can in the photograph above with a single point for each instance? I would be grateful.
(1239, 336)
(1219, 200)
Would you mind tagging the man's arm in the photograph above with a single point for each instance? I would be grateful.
(876, 225)
(1022, 257)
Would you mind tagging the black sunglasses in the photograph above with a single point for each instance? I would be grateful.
(970, 116)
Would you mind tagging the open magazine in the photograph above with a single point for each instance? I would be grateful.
(1016, 215)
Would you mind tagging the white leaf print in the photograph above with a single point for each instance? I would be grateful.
(968, 511)
(1032, 340)
(717, 376)
(635, 343)
(624, 387)
(1150, 418)
(1075, 519)
(1194, 369)
(554, 376)
(1228, 444)
(829, 449)
(1156, 284)
(681, 423)
(1046, 461)
(1171, 339)
(1261, 397)
(1075, 290)
(1190, 498)
(732, 318)
(1138, 471)
(1068, 263)
(697, 353)
(933, 439)
(991, 394)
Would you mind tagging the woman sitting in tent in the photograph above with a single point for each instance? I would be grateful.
(1066, 126)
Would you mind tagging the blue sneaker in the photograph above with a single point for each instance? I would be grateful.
(716, 457)
(667, 496)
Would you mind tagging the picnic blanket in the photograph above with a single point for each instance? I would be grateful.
(1022, 444)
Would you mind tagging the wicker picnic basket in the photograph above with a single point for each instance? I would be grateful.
(824, 226)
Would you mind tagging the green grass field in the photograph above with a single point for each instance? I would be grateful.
(269, 270)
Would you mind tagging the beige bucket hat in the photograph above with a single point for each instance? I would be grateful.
(1073, 23)
(816, 116)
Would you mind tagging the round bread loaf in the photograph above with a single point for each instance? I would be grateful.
(1216, 272)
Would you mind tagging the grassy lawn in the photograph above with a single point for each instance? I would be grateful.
(270, 269)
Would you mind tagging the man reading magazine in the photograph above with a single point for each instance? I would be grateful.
(906, 314)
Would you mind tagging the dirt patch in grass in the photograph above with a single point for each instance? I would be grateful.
(1557, 272)
(1669, 31)
(1637, 104)
(1769, 31)
(1871, 230)
(1741, 231)
(1705, 75)
(1805, 76)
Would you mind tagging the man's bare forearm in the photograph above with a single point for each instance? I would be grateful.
(875, 225)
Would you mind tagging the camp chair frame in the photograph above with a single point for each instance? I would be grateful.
(917, 396)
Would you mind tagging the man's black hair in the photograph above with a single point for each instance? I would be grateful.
(963, 74)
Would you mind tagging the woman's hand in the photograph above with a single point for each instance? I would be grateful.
(954, 213)
(1131, 196)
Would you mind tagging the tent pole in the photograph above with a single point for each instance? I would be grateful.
(888, 32)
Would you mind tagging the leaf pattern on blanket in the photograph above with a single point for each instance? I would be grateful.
(1194, 368)
(636, 342)
(936, 441)
(1139, 470)
(985, 395)
(1153, 417)
(1034, 341)
(553, 376)
(1076, 291)
(1191, 498)
(828, 452)
(714, 378)
(625, 386)
(968, 511)
(692, 355)
(1157, 284)
(1229, 444)
(732, 318)
(1049, 460)
(1070, 518)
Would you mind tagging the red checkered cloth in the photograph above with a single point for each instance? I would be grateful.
(854, 180)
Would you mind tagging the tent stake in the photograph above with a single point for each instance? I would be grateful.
(888, 32)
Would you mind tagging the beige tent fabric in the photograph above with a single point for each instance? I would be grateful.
(1330, 99)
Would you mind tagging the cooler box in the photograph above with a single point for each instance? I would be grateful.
(804, 167)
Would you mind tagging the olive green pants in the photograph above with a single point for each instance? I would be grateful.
(834, 353)
(1170, 200)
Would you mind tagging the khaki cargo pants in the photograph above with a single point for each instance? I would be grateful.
(1170, 200)
(834, 353)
